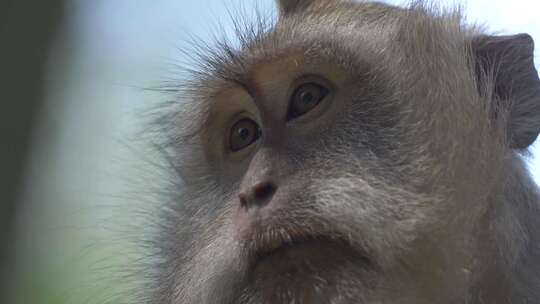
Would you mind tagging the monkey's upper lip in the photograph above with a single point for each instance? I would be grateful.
(283, 248)
(264, 238)
(278, 244)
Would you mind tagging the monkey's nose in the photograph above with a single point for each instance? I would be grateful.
(258, 195)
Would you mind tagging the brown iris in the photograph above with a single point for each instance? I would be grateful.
(244, 133)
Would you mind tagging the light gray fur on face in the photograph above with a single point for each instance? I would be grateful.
(419, 176)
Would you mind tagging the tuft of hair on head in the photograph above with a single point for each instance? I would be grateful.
(290, 6)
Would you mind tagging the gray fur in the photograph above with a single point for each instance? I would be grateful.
(422, 173)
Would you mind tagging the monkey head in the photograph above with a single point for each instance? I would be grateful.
(350, 152)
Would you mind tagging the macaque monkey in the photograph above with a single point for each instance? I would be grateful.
(353, 153)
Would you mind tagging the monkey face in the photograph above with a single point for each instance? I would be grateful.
(328, 160)
(297, 152)
(278, 143)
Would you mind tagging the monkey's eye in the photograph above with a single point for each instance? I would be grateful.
(243, 133)
(305, 98)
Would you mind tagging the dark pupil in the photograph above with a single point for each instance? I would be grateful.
(243, 133)
(306, 97)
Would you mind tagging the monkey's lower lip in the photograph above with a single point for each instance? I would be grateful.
(305, 254)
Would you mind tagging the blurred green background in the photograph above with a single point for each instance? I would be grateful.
(77, 171)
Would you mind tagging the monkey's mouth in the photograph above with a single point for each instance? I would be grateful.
(291, 243)
(304, 255)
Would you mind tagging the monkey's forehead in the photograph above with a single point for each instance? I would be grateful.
(352, 36)
(301, 45)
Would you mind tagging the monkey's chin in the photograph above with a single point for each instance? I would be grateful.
(307, 264)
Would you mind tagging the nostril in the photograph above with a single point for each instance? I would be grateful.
(264, 191)
(258, 195)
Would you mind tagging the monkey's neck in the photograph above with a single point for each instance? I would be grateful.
(508, 255)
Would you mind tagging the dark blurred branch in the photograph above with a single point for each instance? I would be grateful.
(27, 29)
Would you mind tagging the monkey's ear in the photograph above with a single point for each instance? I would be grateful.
(506, 64)
(289, 6)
